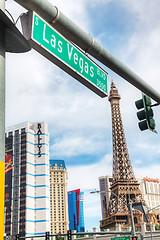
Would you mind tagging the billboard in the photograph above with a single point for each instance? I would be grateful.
(8, 170)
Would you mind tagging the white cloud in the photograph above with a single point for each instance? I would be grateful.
(86, 177)
(77, 145)
(152, 171)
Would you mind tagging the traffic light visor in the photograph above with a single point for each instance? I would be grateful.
(143, 125)
(139, 104)
(141, 115)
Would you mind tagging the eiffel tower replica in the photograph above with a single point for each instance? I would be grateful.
(124, 187)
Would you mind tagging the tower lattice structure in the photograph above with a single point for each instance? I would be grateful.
(124, 183)
(124, 186)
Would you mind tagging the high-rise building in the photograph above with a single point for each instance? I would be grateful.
(104, 187)
(27, 180)
(76, 211)
(58, 197)
(149, 187)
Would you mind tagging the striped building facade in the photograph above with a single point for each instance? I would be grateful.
(27, 198)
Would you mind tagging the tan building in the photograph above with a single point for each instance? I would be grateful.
(150, 188)
(58, 197)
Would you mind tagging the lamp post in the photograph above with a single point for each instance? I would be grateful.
(128, 205)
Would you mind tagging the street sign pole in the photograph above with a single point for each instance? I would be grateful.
(132, 220)
(74, 33)
(2, 119)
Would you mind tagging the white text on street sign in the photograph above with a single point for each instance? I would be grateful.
(51, 44)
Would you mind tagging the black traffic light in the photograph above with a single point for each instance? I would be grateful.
(47, 236)
(134, 238)
(17, 237)
(69, 233)
(146, 115)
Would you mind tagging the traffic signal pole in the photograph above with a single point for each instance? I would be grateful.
(2, 120)
(75, 34)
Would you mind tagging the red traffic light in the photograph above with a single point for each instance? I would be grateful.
(47, 236)
(134, 238)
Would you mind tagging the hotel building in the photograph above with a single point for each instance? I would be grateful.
(58, 197)
(75, 209)
(27, 180)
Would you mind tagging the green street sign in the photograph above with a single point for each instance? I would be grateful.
(121, 238)
(52, 45)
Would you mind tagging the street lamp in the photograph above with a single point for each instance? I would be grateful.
(128, 205)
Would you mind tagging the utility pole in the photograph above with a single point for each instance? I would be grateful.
(2, 119)
(15, 43)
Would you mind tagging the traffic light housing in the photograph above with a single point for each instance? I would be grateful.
(47, 236)
(134, 238)
(69, 237)
(17, 237)
(146, 115)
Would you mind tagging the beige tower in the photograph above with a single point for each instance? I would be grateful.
(124, 183)
(58, 197)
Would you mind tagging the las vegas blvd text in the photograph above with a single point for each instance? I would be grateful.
(69, 54)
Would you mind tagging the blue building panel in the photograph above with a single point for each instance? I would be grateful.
(76, 211)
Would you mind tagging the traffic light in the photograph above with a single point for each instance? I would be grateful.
(134, 238)
(146, 115)
(47, 236)
(17, 237)
(69, 232)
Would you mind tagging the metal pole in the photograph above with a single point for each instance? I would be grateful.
(132, 220)
(2, 120)
(150, 225)
(74, 33)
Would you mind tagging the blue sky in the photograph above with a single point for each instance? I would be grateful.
(80, 121)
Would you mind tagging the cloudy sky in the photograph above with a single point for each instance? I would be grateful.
(79, 121)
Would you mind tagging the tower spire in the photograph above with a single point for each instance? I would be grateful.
(122, 168)
(124, 185)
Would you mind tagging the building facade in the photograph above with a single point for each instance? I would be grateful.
(149, 187)
(76, 211)
(58, 197)
(27, 180)
(104, 186)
